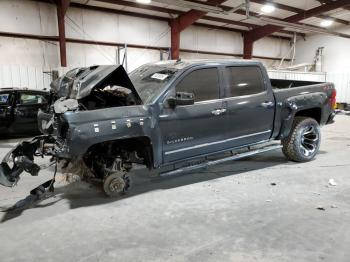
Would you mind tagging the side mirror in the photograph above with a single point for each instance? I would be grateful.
(181, 99)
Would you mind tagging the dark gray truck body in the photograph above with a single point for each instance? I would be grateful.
(181, 133)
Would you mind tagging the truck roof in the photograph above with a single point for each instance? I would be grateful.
(184, 63)
(4, 89)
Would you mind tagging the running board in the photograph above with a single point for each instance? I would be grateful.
(222, 160)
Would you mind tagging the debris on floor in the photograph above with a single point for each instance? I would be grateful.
(332, 182)
(321, 208)
(273, 184)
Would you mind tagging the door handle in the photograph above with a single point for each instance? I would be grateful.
(267, 104)
(218, 112)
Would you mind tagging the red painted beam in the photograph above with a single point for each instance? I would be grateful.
(178, 12)
(247, 47)
(175, 38)
(267, 30)
(182, 22)
(298, 10)
(263, 31)
(102, 43)
(187, 19)
(62, 6)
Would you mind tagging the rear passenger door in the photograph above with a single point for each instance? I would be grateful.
(193, 130)
(27, 106)
(250, 106)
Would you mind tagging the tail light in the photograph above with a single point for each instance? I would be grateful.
(333, 99)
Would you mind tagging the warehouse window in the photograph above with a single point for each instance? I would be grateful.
(246, 80)
(203, 83)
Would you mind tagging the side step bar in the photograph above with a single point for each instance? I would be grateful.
(222, 160)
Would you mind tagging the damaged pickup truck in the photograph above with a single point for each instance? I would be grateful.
(172, 117)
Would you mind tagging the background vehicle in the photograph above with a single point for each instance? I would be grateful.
(176, 116)
(19, 108)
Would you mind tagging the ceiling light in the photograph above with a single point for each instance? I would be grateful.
(326, 23)
(268, 8)
(144, 1)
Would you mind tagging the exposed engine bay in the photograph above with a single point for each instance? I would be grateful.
(109, 96)
(94, 88)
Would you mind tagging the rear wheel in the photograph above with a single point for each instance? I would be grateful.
(304, 140)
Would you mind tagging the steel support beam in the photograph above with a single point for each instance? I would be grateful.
(175, 39)
(178, 12)
(53, 39)
(181, 23)
(247, 47)
(298, 10)
(171, 11)
(267, 30)
(62, 6)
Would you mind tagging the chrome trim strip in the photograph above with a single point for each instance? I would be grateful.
(216, 142)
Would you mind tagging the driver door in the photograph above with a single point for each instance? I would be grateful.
(193, 130)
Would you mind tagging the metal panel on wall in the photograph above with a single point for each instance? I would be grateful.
(25, 77)
(342, 84)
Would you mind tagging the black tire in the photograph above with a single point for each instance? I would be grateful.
(303, 142)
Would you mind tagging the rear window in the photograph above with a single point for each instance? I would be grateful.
(31, 99)
(4, 98)
(203, 83)
(244, 81)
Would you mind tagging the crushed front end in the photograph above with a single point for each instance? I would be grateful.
(72, 97)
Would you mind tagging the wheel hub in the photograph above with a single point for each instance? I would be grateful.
(309, 140)
(117, 185)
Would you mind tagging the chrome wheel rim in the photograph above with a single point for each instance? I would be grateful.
(309, 141)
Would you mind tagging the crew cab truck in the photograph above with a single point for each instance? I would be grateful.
(172, 117)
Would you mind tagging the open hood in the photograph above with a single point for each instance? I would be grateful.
(79, 83)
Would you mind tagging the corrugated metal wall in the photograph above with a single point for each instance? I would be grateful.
(342, 84)
(24, 76)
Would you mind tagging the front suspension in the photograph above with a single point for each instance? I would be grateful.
(21, 158)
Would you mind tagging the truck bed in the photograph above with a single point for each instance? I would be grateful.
(303, 94)
(285, 84)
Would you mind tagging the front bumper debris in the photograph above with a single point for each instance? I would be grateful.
(21, 158)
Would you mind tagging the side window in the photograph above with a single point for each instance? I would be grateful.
(246, 80)
(204, 83)
(4, 99)
(31, 99)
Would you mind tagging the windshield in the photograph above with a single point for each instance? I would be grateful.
(149, 81)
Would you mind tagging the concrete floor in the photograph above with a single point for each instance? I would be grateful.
(229, 212)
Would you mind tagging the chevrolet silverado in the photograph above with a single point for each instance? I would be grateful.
(172, 117)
